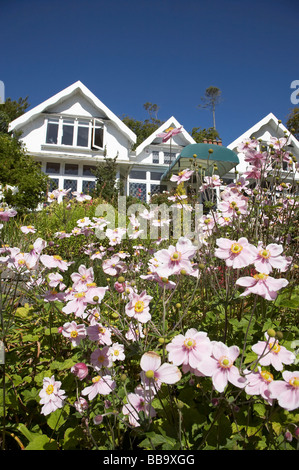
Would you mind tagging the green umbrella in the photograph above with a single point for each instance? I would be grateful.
(224, 158)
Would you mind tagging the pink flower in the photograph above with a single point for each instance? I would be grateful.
(138, 307)
(137, 402)
(6, 214)
(32, 257)
(258, 383)
(154, 373)
(176, 258)
(220, 366)
(116, 352)
(82, 277)
(113, 266)
(55, 261)
(28, 229)
(170, 132)
(256, 159)
(81, 405)
(135, 332)
(270, 257)
(80, 197)
(237, 254)
(273, 353)
(261, 284)
(183, 175)
(77, 304)
(100, 386)
(99, 333)
(51, 396)
(233, 204)
(80, 370)
(73, 331)
(286, 391)
(100, 358)
(190, 348)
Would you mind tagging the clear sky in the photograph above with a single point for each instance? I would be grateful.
(167, 52)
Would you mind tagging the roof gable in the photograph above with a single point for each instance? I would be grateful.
(61, 96)
(279, 130)
(170, 122)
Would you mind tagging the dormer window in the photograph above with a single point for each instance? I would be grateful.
(87, 133)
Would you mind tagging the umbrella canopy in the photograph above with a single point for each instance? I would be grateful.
(225, 159)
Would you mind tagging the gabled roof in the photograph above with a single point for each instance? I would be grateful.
(270, 119)
(64, 94)
(170, 122)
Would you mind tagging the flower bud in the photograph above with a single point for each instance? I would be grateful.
(80, 370)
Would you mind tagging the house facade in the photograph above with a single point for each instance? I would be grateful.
(71, 132)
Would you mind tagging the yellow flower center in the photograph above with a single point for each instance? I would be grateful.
(236, 248)
(80, 295)
(96, 379)
(189, 343)
(225, 362)
(139, 306)
(176, 256)
(294, 381)
(150, 374)
(101, 329)
(265, 254)
(49, 389)
(74, 334)
(116, 353)
(260, 276)
(57, 257)
(267, 376)
(275, 347)
(91, 284)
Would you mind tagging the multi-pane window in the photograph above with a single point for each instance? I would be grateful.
(158, 188)
(169, 157)
(156, 176)
(88, 133)
(67, 132)
(88, 170)
(52, 167)
(88, 186)
(70, 169)
(70, 184)
(52, 184)
(52, 131)
(138, 175)
(138, 190)
(155, 155)
(83, 134)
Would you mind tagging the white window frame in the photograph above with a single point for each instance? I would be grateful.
(91, 123)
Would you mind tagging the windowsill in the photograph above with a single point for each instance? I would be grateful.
(70, 148)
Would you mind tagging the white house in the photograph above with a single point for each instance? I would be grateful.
(263, 130)
(73, 130)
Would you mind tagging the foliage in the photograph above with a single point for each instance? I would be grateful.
(210, 100)
(199, 135)
(293, 122)
(11, 110)
(18, 169)
(204, 296)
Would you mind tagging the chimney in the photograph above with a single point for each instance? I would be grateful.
(219, 142)
(205, 141)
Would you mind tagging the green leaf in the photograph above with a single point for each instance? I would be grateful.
(28, 434)
(42, 442)
(58, 417)
(289, 298)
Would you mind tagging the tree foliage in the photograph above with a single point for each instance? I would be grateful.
(293, 122)
(199, 135)
(210, 100)
(106, 184)
(19, 169)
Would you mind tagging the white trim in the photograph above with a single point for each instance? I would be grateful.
(61, 96)
(266, 120)
(153, 136)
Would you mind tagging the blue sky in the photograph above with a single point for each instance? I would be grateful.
(167, 52)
